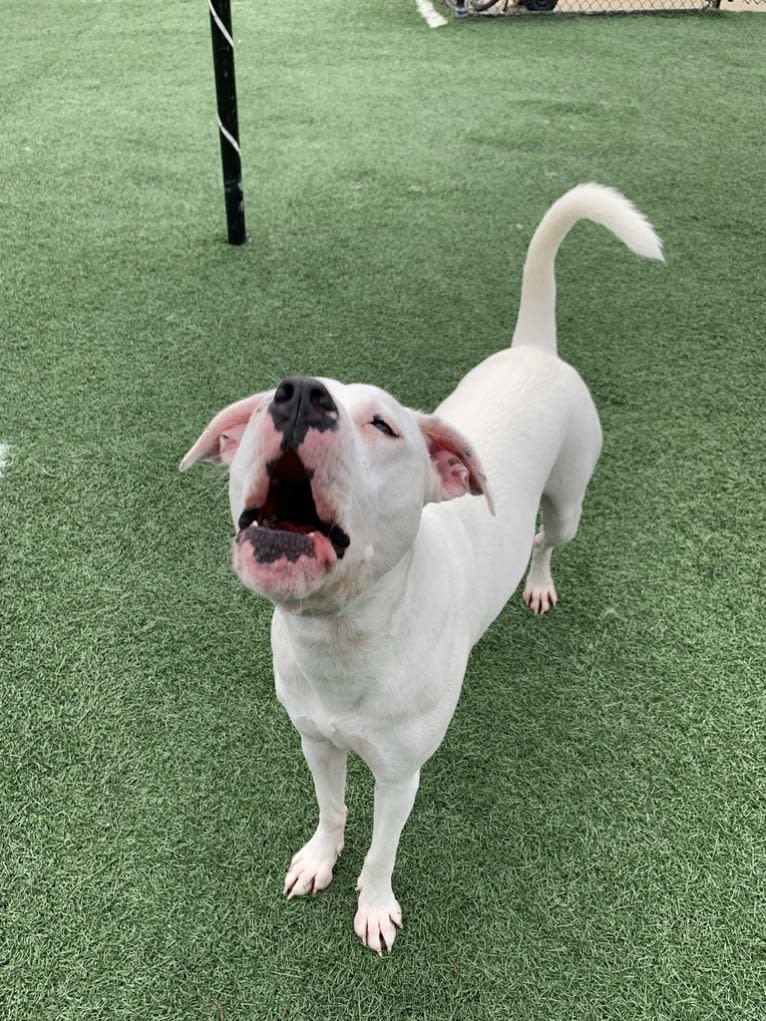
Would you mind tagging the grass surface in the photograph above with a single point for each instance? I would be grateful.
(588, 843)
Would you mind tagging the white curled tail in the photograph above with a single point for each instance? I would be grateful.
(536, 323)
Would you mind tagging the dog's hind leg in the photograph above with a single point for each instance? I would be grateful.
(561, 505)
(559, 526)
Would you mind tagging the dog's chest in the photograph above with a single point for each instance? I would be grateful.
(330, 691)
(345, 719)
(325, 694)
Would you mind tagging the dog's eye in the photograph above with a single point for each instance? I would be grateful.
(383, 426)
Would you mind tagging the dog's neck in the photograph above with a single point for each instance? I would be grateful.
(370, 617)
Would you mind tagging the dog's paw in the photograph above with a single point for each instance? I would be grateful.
(376, 924)
(540, 596)
(378, 916)
(311, 868)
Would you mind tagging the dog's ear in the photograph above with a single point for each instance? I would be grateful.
(456, 466)
(219, 442)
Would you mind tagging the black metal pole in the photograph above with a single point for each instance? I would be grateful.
(226, 97)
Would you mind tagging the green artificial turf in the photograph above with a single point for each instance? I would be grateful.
(588, 843)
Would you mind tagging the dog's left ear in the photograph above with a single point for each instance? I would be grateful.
(456, 466)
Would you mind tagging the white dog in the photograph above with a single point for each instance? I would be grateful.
(380, 587)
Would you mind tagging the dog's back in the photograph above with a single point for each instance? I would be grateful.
(530, 414)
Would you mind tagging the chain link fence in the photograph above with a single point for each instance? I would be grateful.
(499, 8)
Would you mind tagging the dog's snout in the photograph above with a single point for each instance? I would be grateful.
(284, 392)
(302, 389)
(319, 398)
(301, 403)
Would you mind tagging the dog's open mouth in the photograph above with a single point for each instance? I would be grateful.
(288, 525)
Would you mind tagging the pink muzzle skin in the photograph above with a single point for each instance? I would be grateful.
(288, 538)
(282, 565)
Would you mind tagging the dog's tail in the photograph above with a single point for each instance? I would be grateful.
(536, 323)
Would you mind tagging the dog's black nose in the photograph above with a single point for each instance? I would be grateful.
(301, 403)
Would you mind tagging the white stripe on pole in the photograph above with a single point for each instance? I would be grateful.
(427, 10)
(229, 137)
(221, 27)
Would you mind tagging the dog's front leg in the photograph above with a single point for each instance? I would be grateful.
(379, 914)
(311, 868)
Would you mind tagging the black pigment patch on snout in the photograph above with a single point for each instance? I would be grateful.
(269, 545)
(301, 403)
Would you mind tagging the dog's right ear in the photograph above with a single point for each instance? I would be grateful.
(219, 442)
